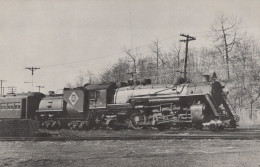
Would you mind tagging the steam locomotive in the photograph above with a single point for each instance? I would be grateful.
(184, 104)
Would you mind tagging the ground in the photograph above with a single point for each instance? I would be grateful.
(132, 153)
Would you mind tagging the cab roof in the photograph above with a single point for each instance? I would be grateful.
(111, 85)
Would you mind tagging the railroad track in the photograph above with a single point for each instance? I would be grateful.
(132, 137)
(230, 134)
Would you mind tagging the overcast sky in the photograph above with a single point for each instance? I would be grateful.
(66, 38)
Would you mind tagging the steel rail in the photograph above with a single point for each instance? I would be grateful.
(137, 137)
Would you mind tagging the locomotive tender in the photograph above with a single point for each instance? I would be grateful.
(186, 104)
(75, 108)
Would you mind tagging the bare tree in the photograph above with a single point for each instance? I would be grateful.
(91, 78)
(133, 56)
(68, 85)
(106, 76)
(156, 49)
(80, 81)
(245, 80)
(116, 73)
(224, 32)
(176, 53)
(146, 68)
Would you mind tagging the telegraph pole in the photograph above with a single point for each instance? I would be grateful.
(32, 69)
(4, 90)
(40, 87)
(12, 89)
(188, 38)
(1, 81)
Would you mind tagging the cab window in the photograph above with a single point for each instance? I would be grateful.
(92, 95)
(97, 94)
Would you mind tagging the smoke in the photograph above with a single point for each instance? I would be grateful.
(217, 124)
(245, 118)
(213, 122)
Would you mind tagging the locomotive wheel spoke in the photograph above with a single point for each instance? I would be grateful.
(135, 120)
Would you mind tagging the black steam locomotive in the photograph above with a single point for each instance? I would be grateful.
(186, 104)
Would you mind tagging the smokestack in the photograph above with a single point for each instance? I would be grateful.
(51, 93)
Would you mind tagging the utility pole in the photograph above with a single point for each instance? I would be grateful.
(12, 89)
(40, 87)
(32, 69)
(1, 81)
(4, 90)
(188, 38)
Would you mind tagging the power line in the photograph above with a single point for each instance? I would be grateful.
(140, 46)
(90, 59)
(80, 61)
(99, 57)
